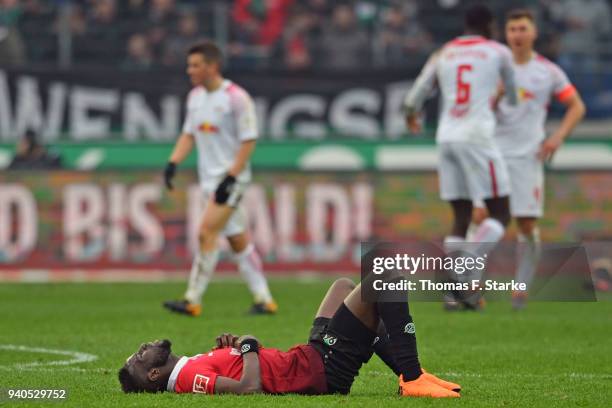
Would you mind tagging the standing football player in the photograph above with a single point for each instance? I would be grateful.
(522, 139)
(468, 71)
(221, 122)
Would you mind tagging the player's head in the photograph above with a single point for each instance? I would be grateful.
(521, 30)
(479, 20)
(148, 369)
(204, 61)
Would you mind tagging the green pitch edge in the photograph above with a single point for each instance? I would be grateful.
(306, 156)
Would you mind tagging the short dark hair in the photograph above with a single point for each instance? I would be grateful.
(128, 385)
(518, 13)
(478, 18)
(209, 50)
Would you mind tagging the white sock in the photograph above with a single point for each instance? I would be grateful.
(453, 243)
(488, 234)
(250, 267)
(528, 256)
(471, 231)
(202, 269)
(489, 231)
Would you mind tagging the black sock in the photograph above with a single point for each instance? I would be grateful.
(402, 338)
(382, 349)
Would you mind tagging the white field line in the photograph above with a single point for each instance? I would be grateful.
(450, 374)
(76, 357)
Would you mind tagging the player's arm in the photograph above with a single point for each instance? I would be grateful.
(508, 81)
(250, 381)
(242, 157)
(423, 86)
(573, 115)
(182, 148)
(246, 124)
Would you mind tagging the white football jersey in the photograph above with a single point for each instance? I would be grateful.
(467, 72)
(520, 128)
(219, 122)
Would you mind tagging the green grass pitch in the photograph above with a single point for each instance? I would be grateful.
(551, 354)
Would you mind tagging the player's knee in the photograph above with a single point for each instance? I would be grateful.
(526, 226)
(344, 284)
(206, 235)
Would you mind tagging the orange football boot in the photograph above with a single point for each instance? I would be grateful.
(421, 387)
(442, 383)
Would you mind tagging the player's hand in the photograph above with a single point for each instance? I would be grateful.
(224, 189)
(413, 123)
(169, 173)
(226, 340)
(548, 148)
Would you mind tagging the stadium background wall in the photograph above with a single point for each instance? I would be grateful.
(96, 105)
(125, 220)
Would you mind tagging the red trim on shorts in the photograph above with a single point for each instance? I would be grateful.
(493, 178)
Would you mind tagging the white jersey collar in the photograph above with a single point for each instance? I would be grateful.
(175, 372)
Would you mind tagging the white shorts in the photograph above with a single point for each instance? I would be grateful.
(527, 181)
(471, 172)
(237, 223)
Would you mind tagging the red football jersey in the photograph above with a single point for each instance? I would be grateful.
(299, 370)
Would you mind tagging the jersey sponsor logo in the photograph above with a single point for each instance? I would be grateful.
(329, 340)
(409, 329)
(525, 95)
(200, 383)
(207, 127)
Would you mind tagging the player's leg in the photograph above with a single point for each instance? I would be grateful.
(205, 261)
(489, 180)
(250, 265)
(526, 205)
(334, 298)
(479, 214)
(454, 189)
(401, 336)
(528, 257)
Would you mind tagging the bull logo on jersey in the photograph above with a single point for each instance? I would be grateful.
(200, 382)
(329, 340)
(525, 95)
(207, 127)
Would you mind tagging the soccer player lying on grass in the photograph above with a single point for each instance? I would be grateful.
(345, 333)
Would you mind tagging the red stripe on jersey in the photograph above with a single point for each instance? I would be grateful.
(493, 178)
(468, 41)
(566, 93)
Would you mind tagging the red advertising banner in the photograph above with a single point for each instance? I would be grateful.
(74, 221)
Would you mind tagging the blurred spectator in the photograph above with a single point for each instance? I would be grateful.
(585, 24)
(296, 44)
(258, 23)
(30, 155)
(161, 20)
(139, 55)
(400, 39)
(12, 48)
(343, 44)
(101, 40)
(177, 45)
